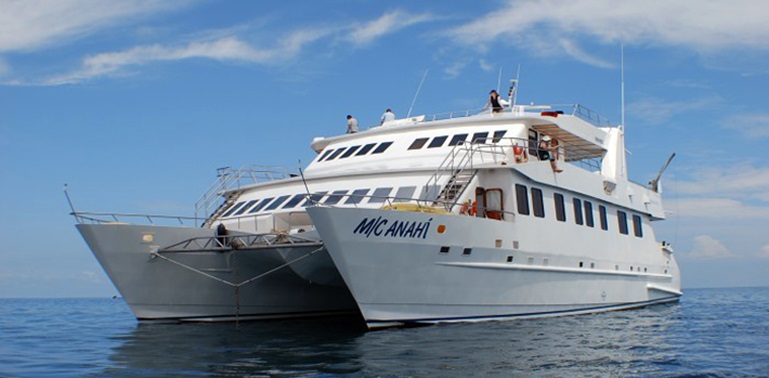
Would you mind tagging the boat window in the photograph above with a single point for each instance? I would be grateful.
(560, 207)
(405, 194)
(522, 199)
(279, 201)
(325, 153)
(418, 143)
(294, 201)
(533, 145)
(637, 231)
(429, 193)
(622, 218)
(604, 219)
(493, 204)
(380, 195)
(458, 139)
(438, 141)
(537, 202)
(498, 136)
(589, 214)
(356, 196)
(336, 153)
(480, 137)
(382, 147)
(261, 205)
(365, 149)
(578, 211)
(335, 197)
(349, 152)
(314, 198)
(232, 209)
(245, 207)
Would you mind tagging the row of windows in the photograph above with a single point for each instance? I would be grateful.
(583, 210)
(345, 152)
(457, 139)
(379, 195)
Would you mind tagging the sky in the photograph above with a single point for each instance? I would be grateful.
(135, 104)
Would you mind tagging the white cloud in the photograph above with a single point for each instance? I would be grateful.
(722, 209)
(742, 181)
(577, 53)
(33, 24)
(655, 111)
(707, 247)
(750, 125)
(363, 34)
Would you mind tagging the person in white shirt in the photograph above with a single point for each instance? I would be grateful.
(352, 125)
(387, 116)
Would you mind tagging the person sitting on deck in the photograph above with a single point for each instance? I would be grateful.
(495, 102)
(387, 116)
(549, 151)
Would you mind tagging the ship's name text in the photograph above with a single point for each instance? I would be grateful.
(397, 229)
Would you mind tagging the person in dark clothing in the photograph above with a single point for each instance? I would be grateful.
(495, 102)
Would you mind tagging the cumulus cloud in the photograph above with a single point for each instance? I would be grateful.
(707, 247)
(365, 33)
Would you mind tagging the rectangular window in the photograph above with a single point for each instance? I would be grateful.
(365, 149)
(498, 136)
(380, 195)
(589, 214)
(279, 201)
(522, 199)
(325, 153)
(438, 141)
(537, 203)
(382, 147)
(458, 139)
(429, 192)
(577, 211)
(560, 207)
(232, 209)
(405, 194)
(246, 207)
(336, 153)
(335, 197)
(604, 219)
(356, 196)
(622, 218)
(261, 205)
(349, 152)
(314, 198)
(637, 230)
(418, 143)
(480, 137)
(294, 201)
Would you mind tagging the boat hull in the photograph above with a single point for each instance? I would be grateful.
(465, 273)
(206, 285)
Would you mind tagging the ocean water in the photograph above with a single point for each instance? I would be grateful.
(710, 333)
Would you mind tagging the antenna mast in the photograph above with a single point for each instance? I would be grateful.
(417, 94)
(622, 85)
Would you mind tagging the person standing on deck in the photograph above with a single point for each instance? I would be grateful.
(495, 102)
(352, 125)
(387, 116)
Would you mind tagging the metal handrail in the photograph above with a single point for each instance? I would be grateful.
(102, 218)
(240, 242)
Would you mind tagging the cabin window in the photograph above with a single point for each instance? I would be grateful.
(480, 137)
(438, 141)
(349, 152)
(382, 147)
(622, 218)
(493, 204)
(380, 195)
(245, 207)
(294, 201)
(429, 192)
(232, 209)
(418, 143)
(637, 231)
(537, 203)
(325, 153)
(314, 198)
(356, 196)
(365, 149)
(498, 136)
(336, 153)
(261, 205)
(405, 194)
(589, 214)
(279, 201)
(522, 199)
(578, 211)
(604, 219)
(335, 197)
(560, 207)
(458, 139)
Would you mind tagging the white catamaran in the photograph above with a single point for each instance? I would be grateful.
(455, 217)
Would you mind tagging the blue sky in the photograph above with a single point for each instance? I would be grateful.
(134, 104)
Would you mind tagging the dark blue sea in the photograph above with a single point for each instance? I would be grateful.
(710, 333)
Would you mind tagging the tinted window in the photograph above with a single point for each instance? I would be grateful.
(522, 199)
(577, 211)
(365, 149)
(622, 219)
(405, 194)
(438, 141)
(245, 207)
(589, 214)
(498, 136)
(356, 196)
(232, 209)
(537, 203)
(480, 137)
(349, 152)
(261, 205)
(418, 143)
(335, 197)
(560, 207)
(429, 192)
(336, 153)
(325, 153)
(637, 231)
(458, 139)
(382, 147)
(279, 201)
(314, 198)
(380, 195)
(294, 201)
(604, 220)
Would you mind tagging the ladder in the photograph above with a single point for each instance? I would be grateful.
(459, 165)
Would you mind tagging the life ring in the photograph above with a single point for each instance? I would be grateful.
(520, 154)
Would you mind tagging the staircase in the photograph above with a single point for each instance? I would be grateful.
(459, 164)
